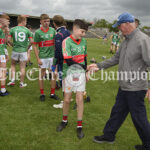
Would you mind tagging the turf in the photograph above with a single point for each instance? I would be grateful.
(28, 124)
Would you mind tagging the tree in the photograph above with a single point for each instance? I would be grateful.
(101, 23)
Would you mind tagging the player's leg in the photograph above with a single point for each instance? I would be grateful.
(29, 56)
(80, 108)
(66, 104)
(111, 48)
(114, 47)
(67, 89)
(23, 57)
(53, 81)
(41, 83)
(3, 91)
(13, 71)
(22, 71)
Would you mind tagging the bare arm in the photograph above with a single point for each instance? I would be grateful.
(36, 51)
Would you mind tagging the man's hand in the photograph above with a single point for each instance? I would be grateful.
(91, 66)
(148, 95)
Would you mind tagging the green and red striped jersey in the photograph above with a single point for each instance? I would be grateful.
(20, 35)
(45, 41)
(2, 42)
(77, 50)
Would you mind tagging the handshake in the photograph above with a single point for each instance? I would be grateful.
(90, 70)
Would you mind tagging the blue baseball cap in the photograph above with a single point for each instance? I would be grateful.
(123, 18)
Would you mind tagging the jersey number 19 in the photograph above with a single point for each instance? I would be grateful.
(21, 36)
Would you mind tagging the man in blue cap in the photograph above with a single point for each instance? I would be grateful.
(133, 58)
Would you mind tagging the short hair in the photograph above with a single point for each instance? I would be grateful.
(59, 20)
(21, 18)
(44, 16)
(81, 24)
(5, 16)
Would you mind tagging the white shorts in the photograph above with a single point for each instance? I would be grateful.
(114, 43)
(118, 44)
(2, 59)
(46, 63)
(74, 83)
(19, 56)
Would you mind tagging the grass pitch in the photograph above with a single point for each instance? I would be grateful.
(28, 124)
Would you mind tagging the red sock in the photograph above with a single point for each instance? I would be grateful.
(52, 91)
(79, 124)
(65, 118)
(2, 86)
(42, 91)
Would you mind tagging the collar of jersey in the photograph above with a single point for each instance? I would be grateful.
(44, 30)
(77, 42)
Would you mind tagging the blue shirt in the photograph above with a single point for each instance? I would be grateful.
(61, 34)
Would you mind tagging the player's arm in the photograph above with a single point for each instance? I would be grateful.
(30, 36)
(107, 63)
(9, 40)
(36, 48)
(58, 48)
(71, 62)
(36, 51)
(31, 42)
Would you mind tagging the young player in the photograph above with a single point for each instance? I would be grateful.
(20, 35)
(113, 43)
(44, 51)
(105, 38)
(117, 42)
(62, 33)
(74, 52)
(3, 27)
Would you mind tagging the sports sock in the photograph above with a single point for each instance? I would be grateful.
(79, 124)
(65, 118)
(52, 91)
(42, 91)
(3, 89)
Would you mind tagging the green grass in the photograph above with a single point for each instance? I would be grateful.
(28, 124)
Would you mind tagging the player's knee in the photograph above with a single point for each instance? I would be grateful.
(67, 101)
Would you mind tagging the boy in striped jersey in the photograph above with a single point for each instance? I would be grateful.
(3, 38)
(74, 67)
(44, 51)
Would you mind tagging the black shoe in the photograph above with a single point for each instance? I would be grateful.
(61, 126)
(42, 98)
(4, 94)
(88, 99)
(141, 147)
(54, 96)
(102, 139)
(80, 133)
